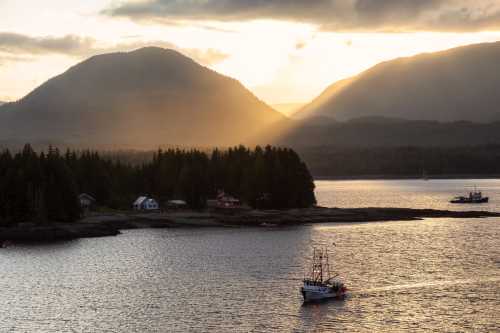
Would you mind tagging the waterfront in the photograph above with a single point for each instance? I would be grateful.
(433, 275)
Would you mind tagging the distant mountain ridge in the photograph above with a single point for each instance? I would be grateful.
(144, 98)
(386, 132)
(453, 85)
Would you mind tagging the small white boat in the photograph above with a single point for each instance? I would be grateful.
(321, 284)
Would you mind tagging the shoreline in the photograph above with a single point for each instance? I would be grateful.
(103, 225)
(408, 177)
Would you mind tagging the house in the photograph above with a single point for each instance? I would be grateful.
(227, 201)
(86, 201)
(146, 203)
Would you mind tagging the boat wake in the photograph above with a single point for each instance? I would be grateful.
(429, 284)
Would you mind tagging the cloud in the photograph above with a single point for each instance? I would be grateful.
(333, 15)
(6, 58)
(18, 47)
(15, 43)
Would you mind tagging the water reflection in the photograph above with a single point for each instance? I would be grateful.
(313, 313)
(432, 275)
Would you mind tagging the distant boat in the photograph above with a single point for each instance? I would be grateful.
(320, 284)
(474, 197)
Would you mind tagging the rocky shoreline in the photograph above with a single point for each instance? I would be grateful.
(102, 225)
(344, 215)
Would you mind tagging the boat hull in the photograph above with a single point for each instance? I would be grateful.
(468, 201)
(317, 295)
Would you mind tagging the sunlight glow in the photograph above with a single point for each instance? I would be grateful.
(281, 62)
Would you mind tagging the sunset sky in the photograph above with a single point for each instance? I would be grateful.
(285, 51)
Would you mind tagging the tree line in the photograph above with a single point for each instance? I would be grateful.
(36, 187)
(44, 187)
(409, 161)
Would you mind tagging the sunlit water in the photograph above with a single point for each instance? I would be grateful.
(434, 193)
(439, 275)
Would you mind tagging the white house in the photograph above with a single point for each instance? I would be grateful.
(146, 203)
(86, 201)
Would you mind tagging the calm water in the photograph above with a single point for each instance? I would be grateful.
(434, 193)
(433, 275)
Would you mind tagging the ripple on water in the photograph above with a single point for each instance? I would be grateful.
(432, 275)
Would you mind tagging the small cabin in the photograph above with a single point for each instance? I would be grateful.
(87, 201)
(145, 203)
(227, 201)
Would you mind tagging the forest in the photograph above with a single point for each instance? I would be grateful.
(404, 161)
(43, 187)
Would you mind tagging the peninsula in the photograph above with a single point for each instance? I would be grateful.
(102, 225)
(51, 196)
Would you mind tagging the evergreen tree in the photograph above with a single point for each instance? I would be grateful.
(44, 187)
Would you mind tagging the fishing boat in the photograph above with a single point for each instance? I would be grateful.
(321, 284)
(474, 197)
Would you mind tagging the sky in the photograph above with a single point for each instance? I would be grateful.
(285, 51)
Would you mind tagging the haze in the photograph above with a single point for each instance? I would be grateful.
(284, 51)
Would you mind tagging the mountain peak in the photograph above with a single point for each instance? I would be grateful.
(149, 52)
(141, 59)
(155, 50)
(456, 84)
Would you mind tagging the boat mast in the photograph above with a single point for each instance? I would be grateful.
(317, 271)
(321, 266)
(327, 265)
(312, 268)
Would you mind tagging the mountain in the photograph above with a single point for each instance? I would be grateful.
(387, 132)
(143, 98)
(453, 85)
